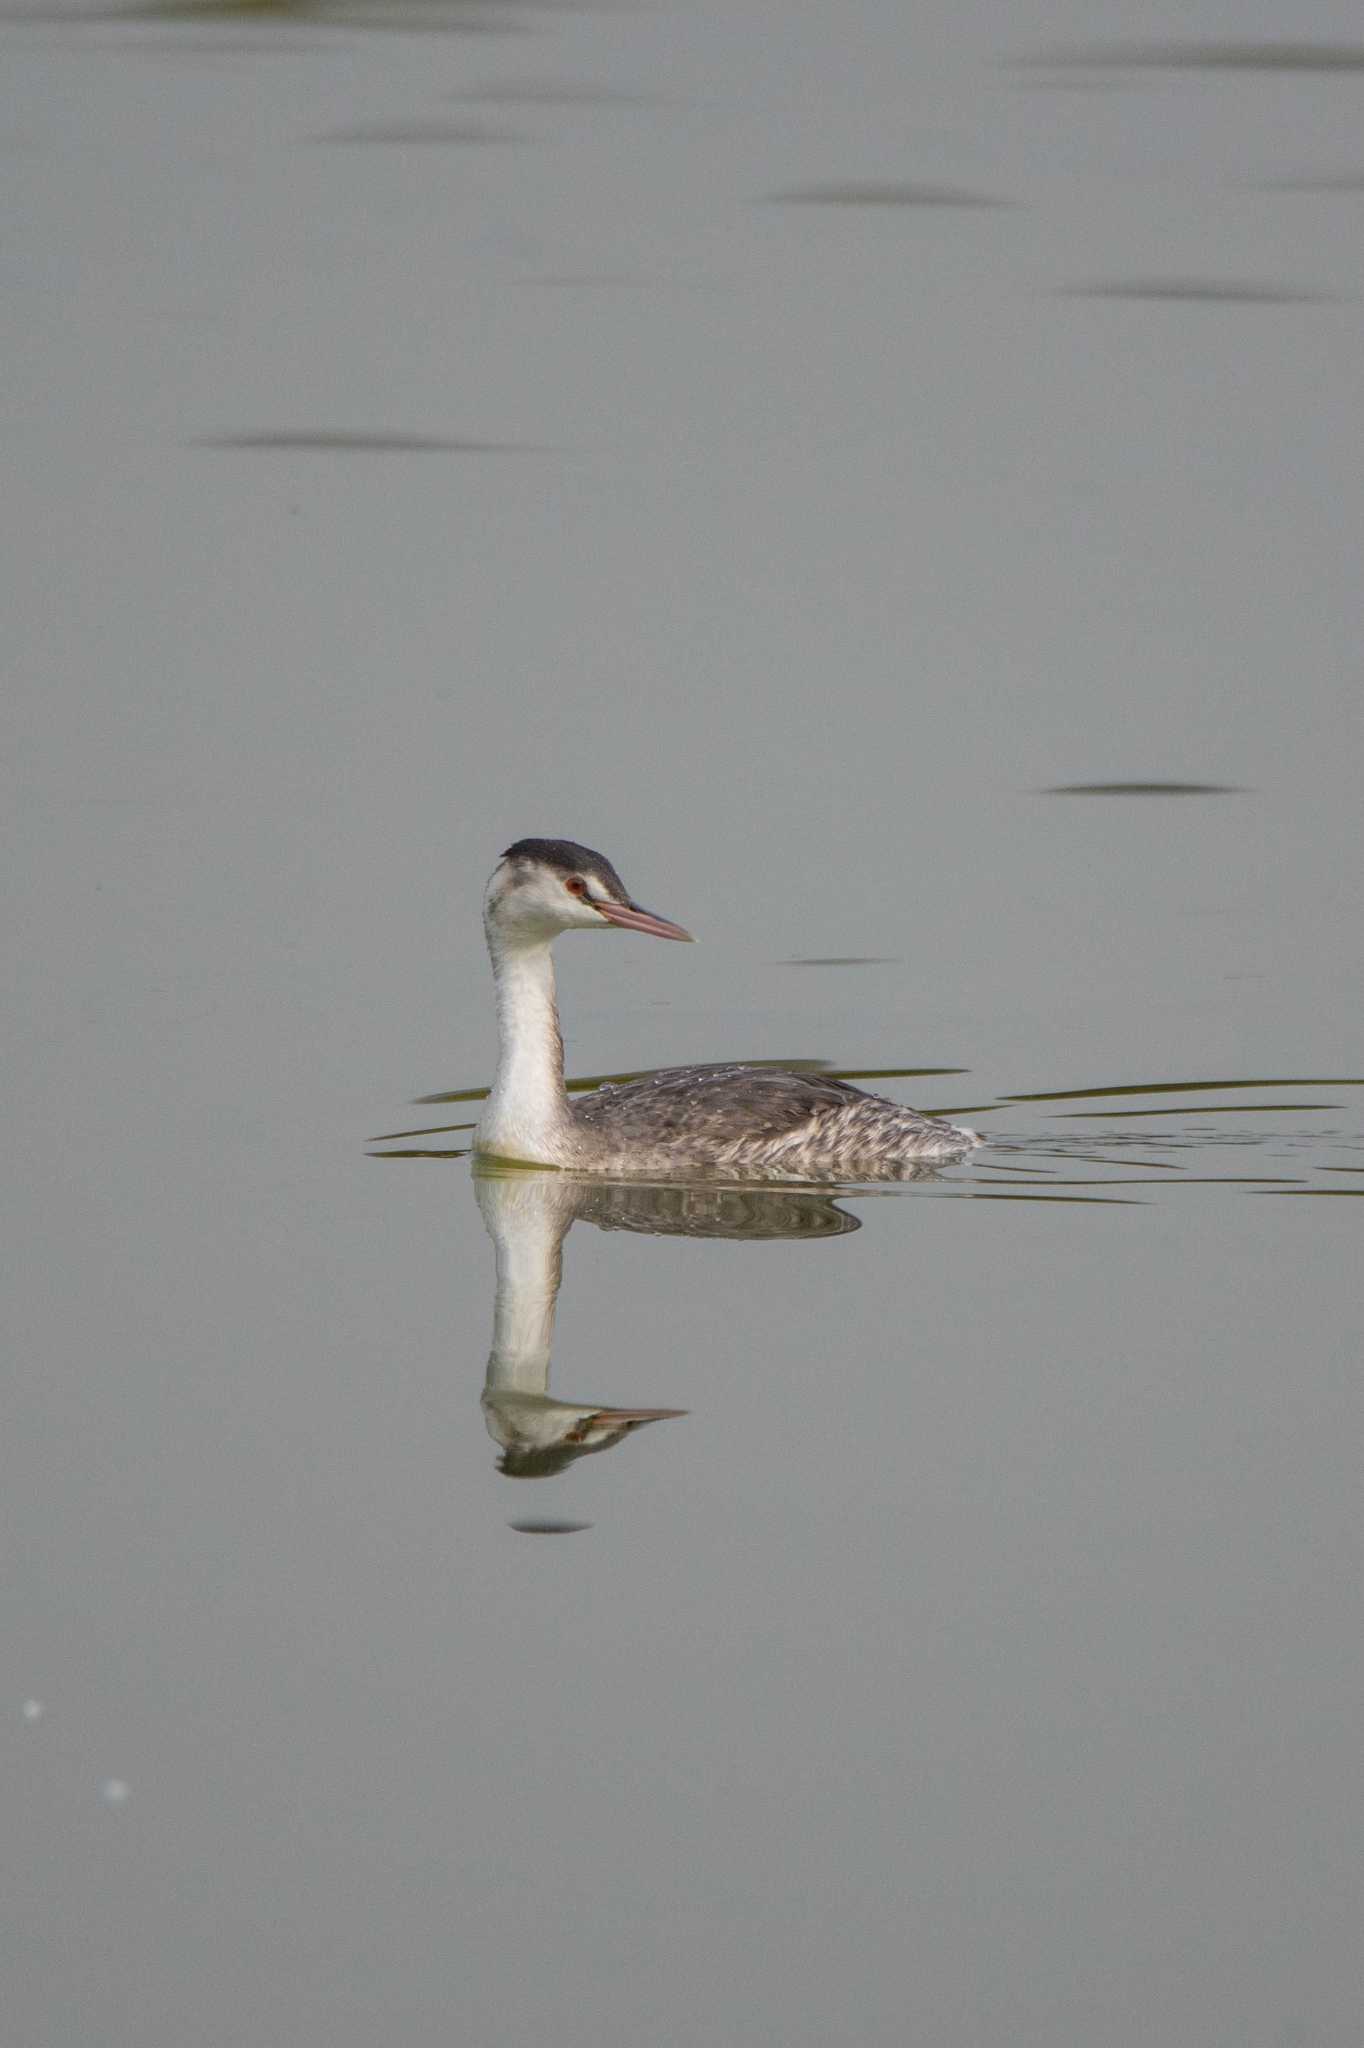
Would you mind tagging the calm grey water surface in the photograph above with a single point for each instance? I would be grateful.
(890, 479)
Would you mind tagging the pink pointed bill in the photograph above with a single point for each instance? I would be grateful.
(632, 919)
(608, 1417)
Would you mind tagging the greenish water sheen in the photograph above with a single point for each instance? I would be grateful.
(795, 452)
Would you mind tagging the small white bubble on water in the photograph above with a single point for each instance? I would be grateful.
(114, 1791)
(33, 1710)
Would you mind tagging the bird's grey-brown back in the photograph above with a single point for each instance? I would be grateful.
(758, 1122)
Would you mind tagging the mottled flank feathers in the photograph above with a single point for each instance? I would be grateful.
(746, 1119)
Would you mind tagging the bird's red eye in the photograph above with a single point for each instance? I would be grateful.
(575, 885)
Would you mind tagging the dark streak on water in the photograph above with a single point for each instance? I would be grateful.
(547, 1528)
(1197, 291)
(1188, 1087)
(585, 282)
(885, 195)
(1078, 84)
(1072, 1157)
(1117, 1180)
(279, 44)
(1090, 1201)
(1201, 1109)
(406, 19)
(462, 1152)
(840, 960)
(325, 442)
(1347, 182)
(567, 95)
(432, 1131)
(1144, 789)
(421, 134)
(890, 1073)
(1200, 56)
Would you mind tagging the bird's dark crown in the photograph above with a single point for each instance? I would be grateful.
(567, 857)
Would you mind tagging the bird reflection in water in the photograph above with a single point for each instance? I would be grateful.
(528, 1214)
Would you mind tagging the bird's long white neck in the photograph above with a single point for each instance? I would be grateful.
(527, 1115)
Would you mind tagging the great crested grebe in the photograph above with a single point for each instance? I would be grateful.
(741, 1120)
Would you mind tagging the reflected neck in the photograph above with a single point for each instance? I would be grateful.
(527, 1226)
(527, 1114)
